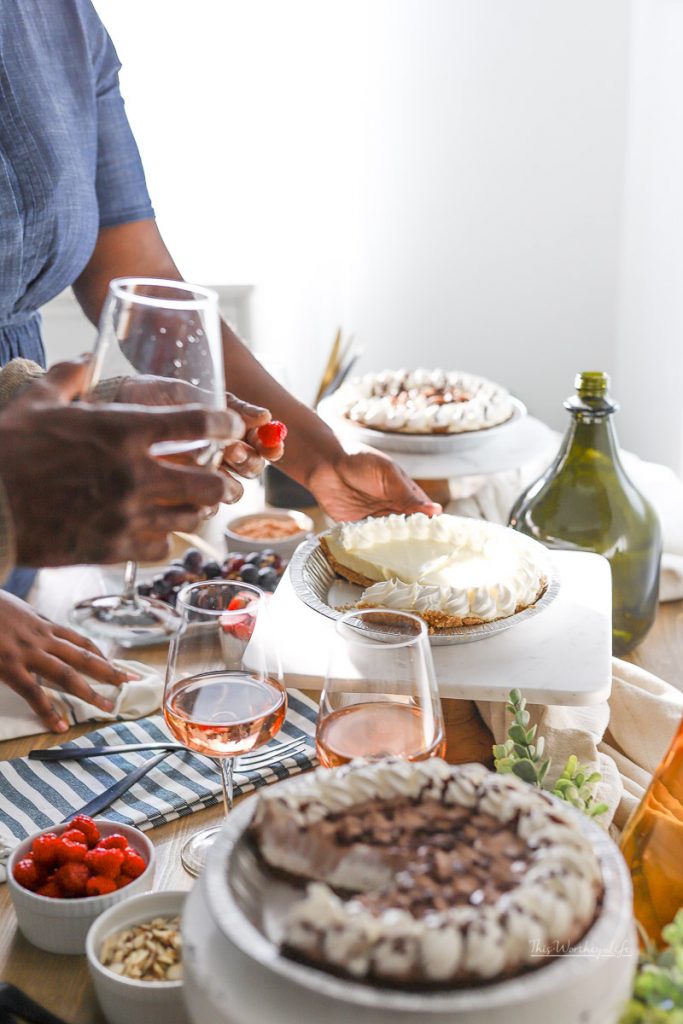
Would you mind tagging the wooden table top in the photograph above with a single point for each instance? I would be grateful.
(61, 983)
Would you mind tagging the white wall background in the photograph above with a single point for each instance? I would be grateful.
(486, 185)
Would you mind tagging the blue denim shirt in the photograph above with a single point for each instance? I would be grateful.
(69, 164)
(68, 160)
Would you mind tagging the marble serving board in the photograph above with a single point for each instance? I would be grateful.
(562, 656)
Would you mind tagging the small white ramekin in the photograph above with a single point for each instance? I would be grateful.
(284, 546)
(127, 1000)
(60, 926)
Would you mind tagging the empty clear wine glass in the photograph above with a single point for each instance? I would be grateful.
(381, 697)
(224, 693)
(165, 337)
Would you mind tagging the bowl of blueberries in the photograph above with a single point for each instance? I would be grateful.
(263, 569)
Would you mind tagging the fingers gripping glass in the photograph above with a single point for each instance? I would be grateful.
(224, 695)
(164, 338)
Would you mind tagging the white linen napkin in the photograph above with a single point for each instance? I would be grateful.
(134, 699)
(624, 738)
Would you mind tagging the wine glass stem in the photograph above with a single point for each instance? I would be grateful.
(227, 765)
(129, 595)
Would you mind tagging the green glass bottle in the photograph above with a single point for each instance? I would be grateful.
(586, 502)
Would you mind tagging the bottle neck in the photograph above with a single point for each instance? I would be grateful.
(588, 430)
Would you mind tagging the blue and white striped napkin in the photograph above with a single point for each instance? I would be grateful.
(37, 794)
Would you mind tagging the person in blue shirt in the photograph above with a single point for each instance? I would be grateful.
(75, 211)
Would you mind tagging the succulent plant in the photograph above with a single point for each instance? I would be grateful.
(522, 755)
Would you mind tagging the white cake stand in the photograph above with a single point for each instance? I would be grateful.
(226, 986)
(478, 453)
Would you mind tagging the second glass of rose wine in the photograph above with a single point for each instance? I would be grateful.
(224, 695)
(381, 697)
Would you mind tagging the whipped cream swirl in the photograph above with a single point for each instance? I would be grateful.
(480, 571)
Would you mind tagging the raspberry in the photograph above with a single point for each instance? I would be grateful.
(87, 826)
(52, 889)
(113, 842)
(73, 879)
(45, 849)
(67, 851)
(75, 836)
(98, 885)
(123, 880)
(241, 627)
(272, 434)
(133, 863)
(27, 873)
(105, 862)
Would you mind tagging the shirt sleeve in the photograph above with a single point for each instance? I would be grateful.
(14, 376)
(120, 184)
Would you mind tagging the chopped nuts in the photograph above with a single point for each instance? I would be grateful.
(151, 951)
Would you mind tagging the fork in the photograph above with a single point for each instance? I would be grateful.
(249, 762)
(81, 753)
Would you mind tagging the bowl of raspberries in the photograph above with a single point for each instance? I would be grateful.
(62, 878)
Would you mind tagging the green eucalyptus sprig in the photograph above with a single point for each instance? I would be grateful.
(658, 985)
(522, 755)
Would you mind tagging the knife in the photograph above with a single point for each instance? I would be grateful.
(80, 753)
(108, 797)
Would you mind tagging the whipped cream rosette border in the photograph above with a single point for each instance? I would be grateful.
(554, 903)
(424, 401)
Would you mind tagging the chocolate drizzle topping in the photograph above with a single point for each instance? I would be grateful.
(443, 855)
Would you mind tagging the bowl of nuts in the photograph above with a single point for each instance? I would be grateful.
(134, 953)
(62, 878)
(279, 531)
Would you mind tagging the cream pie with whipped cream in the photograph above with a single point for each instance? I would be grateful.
(426, 874)
(424, 402)
(450, 570)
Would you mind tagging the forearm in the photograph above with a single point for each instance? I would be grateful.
(138, 250)
(310, 442)
(7, 545)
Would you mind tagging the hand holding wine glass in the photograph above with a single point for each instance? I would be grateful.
(224, 694)
(168, 330)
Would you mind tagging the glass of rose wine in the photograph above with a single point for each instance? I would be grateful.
(224, 695)
(163, 338)
(381, 698)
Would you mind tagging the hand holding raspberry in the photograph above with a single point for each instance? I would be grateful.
(272, 434)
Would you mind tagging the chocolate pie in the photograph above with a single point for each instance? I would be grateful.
(424, 402)
(426, 874)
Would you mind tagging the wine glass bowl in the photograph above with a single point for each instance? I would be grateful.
(380, 697)
(161, 339)
(224, 694)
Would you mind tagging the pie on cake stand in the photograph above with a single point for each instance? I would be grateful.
(241, 912)
(437, 459)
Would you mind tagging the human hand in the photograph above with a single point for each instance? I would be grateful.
(246, 457)
(35, 650)
(367, 484)
(81, 483)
